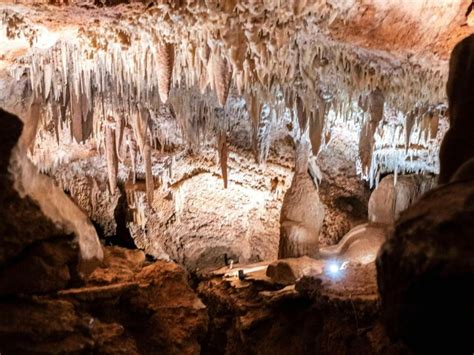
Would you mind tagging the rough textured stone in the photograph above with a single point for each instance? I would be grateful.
(35, 255)
(389, 199)
(426, 272)
(288, 271)
(126, 307)
(458, 146)
(323, 315)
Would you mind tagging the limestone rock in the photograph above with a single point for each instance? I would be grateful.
(43, 267)
(302, 213)
(323, 315)
(288, 271)
(360, 245)
(465, 172)
(389, 199)
(426, 270)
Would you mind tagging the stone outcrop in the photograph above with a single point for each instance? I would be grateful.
(465, 171)
(426, 270)
(390, 198)
(302, 213)
(458, 145)
(37, 254)
(127, 306)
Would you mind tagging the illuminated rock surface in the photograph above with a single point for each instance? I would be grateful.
(390, 198)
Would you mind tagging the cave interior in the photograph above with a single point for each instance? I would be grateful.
(236, 177)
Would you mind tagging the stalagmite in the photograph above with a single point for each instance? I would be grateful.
(302, 212)
(165, 63)
(223, 155)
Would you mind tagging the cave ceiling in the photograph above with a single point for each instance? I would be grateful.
(109, 65)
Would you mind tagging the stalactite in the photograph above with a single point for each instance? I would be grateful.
(375, 109)
(111, 154)
(119, 136)
(222, 76)
(150, 186)
(133, 150)
(97, 76)
(165, 63)
(223, 155)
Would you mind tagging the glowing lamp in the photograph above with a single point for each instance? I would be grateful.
(334, 268)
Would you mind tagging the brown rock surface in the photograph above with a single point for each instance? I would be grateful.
(288, 271)
(126, 307)
(458, 145)
(323, 316)
(35, 255)
(426, 270)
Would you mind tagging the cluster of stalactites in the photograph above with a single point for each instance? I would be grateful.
(402, 143)
(105, 95)
(99, 90)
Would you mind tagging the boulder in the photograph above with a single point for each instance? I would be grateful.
(288, 271)
(458, 146)
(389, 199)
(426, 272)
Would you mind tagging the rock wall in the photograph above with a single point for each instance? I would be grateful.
(198, 223)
